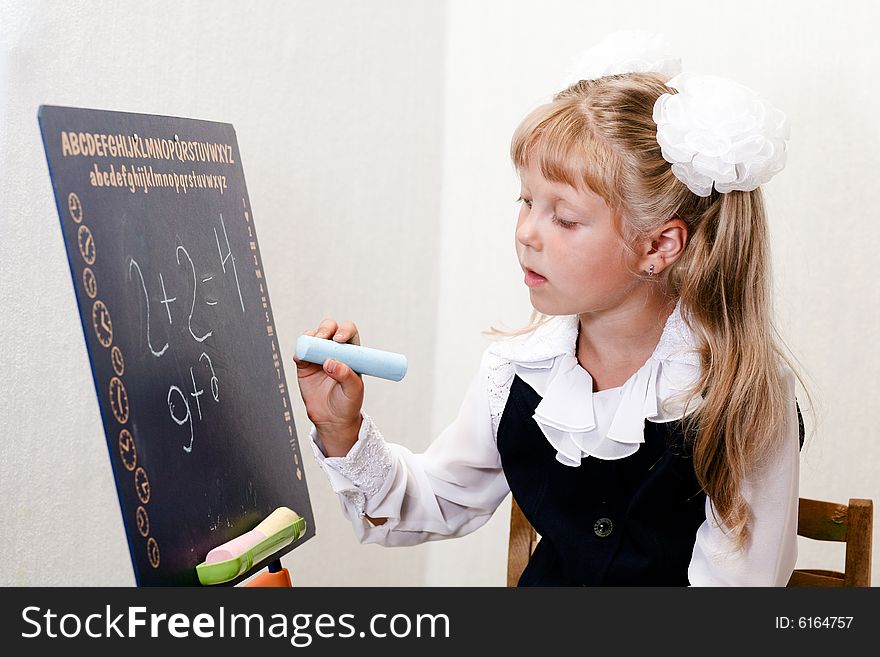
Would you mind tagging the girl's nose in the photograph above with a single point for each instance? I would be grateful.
(527, 231)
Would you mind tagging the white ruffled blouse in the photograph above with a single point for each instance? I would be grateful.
(608, 424)
(457, 483)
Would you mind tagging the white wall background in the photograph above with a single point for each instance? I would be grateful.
(389, 123)
(338, 111)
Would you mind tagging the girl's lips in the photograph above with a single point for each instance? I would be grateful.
(534, 280)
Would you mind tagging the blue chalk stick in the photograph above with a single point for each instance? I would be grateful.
(363, 360)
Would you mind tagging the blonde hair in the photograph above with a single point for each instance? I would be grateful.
(600, 134)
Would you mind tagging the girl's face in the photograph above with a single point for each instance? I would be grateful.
(573, 260)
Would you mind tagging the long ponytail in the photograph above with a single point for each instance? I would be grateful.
(724, 280)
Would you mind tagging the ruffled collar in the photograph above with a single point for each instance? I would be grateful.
(608, 424)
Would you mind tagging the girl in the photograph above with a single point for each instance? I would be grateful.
(646, 421)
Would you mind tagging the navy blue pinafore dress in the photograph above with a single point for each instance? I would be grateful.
(624, 522)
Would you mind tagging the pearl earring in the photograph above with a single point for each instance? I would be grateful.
(651, 271)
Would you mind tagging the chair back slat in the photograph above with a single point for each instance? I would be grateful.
(828, 521)
(816, 578)
(822, 521)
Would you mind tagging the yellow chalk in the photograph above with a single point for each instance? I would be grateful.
(277, 520)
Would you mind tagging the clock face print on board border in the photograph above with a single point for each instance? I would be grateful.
(102, 324)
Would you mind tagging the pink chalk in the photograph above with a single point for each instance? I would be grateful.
(235, 547)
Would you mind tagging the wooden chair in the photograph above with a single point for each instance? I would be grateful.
(828, 521)
(523, 539)
(823, 521)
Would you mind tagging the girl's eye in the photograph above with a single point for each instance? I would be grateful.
(568, 225)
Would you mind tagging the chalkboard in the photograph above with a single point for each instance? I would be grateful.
(183, 347)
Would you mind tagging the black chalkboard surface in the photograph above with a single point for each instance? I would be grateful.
(176, 316)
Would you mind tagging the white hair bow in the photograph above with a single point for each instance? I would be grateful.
(714, 131)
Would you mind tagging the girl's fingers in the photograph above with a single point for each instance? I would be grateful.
(347, 332)
(326, 329)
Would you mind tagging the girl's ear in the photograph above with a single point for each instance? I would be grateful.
(667, 244)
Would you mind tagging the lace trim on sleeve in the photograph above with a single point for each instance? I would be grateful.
(500, 373)
(357, 499)
(366, 465)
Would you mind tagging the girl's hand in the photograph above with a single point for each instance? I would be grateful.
(333, 393)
